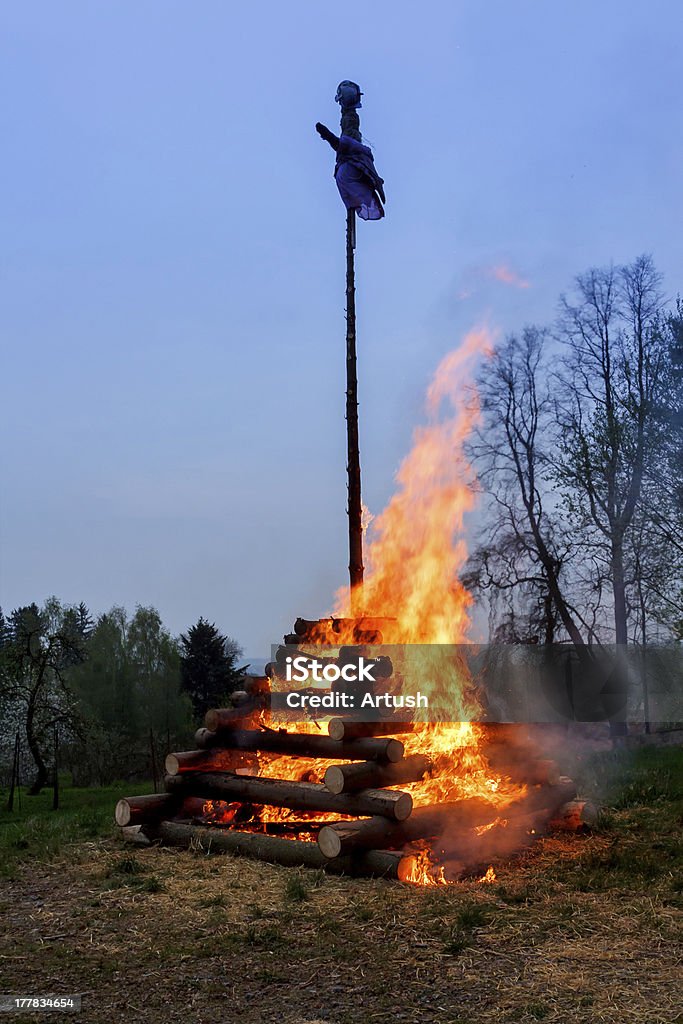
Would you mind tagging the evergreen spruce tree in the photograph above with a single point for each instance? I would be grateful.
(208, 666)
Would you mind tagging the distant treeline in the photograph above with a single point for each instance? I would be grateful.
(116, 692)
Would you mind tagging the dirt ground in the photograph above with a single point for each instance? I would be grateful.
(575, 931)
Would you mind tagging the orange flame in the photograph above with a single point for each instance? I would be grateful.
(488, 877)
(415, 545)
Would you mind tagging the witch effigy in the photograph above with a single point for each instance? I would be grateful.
(359, 184)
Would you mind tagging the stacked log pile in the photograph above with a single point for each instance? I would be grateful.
(355, 820)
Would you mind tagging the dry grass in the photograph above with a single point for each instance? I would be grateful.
(582, 929)
(169, 935)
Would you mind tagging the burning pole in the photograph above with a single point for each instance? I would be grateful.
(362, 193)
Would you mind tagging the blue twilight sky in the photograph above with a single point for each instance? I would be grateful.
(172, 264)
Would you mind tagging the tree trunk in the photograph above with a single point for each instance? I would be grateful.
(41, 778)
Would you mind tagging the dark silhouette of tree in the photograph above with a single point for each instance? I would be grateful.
(524, 550)
(208, 666)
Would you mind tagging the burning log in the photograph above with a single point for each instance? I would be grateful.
(299, 796)
(574, 816)
(290, 852)
(343, 729)
(302, 744)
(349, 778)
(365, 623)
(428, 822)
(222, 760)
(522, 818)
(232, 718)
(312, 627)
(137, 810)
(364, 630)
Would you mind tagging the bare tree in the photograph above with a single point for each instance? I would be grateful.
(524, 547)
(610, 393)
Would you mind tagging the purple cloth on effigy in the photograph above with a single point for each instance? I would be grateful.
(357, 179)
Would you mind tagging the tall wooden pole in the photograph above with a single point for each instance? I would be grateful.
(352, 444)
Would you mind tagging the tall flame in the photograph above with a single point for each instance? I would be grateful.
(415, 546)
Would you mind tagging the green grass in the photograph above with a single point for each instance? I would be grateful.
(641, 793)
(622, 779)
(34, 832)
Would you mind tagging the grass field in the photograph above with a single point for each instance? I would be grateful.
(581, 928)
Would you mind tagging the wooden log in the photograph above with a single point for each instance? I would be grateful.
(240, 697)
(227, 718)
(427, 822)
(137, 810)
(302, 744)
(574, 816)
(364, 623)
(256, 685)
(299, 796)
(134, 834)
(365, 630)
(306, 627)
(346, 729)
(275, 850)
(233, 718)
(349, 778)
(529, 814)
(195, 807)
(220, 760)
